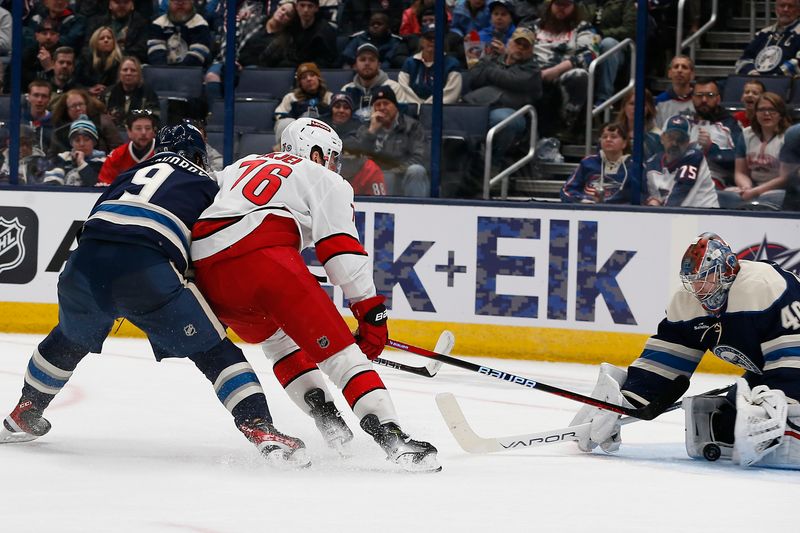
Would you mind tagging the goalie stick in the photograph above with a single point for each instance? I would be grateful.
(444, 345)
(648, 412)
(473, 443)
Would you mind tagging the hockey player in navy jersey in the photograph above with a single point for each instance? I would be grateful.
(130, 263)
(679, 177)
(745, 312)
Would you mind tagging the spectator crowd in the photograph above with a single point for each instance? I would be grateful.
(88, 111)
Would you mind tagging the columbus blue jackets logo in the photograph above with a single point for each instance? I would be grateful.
(734, 356)
(768, 58)
(786, 258)
(19, 228)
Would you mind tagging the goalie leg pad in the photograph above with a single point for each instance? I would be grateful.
(761, 416)
(787, 453)
(709, 427)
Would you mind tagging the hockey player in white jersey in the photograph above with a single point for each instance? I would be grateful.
(246, 250)
(745, 312)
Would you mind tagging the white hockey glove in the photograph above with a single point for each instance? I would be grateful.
(760, 422)
(605, 430)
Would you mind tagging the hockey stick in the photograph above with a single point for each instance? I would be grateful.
(444, 345)
(648, 412)
(473, 443)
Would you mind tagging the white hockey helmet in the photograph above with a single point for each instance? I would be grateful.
(304, 134)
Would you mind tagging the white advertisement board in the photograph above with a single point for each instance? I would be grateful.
(509, 265)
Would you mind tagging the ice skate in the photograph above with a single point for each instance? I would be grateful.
(25, 423)
(328, 420)
(280, 450)
(412, 455)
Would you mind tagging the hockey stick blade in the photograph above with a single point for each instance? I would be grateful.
(473, 443)
(444, 345)
(648, 412)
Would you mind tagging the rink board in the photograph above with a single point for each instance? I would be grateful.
(511, 280)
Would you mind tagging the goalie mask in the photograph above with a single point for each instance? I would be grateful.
(304, 135)
(708, 269)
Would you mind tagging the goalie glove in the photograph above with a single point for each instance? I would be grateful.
(372, 334)
(760, 422)
(605, 430)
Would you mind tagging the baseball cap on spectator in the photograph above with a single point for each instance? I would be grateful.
(307, 67)
(505, 3)
(47, 24)
(678, 123)
(524, 33)
(342, 97)
(385, 93)
(368, 47)
(428, 30)
(83, 125)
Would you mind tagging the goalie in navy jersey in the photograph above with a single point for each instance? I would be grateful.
(745, 312)
(679, 177)
(131, 262)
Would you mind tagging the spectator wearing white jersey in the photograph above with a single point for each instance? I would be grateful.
(757, 155)
(678, 98)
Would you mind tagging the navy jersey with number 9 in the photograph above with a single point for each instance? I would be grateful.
(154, 204)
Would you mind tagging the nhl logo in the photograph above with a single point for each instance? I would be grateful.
(189, 330)
(12, 247)
(323, 342)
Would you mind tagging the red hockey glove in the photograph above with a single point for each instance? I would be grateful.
(371, 334)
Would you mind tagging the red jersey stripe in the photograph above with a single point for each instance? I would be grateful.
(338, 244)
(204, 228)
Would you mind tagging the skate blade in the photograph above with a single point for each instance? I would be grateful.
(427, 465)
(341, 447)
(283, 461)
(7, 437)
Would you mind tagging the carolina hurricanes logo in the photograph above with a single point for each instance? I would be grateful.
(12, 247)
(786, 258)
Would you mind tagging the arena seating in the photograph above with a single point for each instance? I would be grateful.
(734, 84)
(250, 116)
(265, 83)
(184, 82)
(255, 143)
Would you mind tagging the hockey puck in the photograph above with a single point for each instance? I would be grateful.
(711, 452)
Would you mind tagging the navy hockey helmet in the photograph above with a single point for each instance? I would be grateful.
(185, 140)
(708, 269)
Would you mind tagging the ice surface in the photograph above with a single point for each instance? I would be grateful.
(140, 446)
